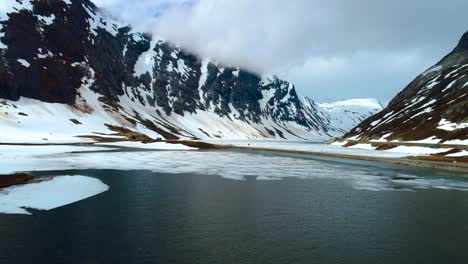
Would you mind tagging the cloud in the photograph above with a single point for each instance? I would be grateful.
(374, 74)
(327, 47)
(142, 14)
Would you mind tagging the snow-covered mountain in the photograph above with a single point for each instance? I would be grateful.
(346, 114)
(68, 70)
(431, 109)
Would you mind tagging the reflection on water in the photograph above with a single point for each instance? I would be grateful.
(149, 217)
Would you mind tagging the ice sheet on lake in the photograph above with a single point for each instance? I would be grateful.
(49, 194)
(153, 146)
(10, 156)
(357, 150)
(238, 165)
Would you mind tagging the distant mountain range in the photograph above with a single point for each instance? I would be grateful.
(68, 70)
(431, 109)
(345, 114)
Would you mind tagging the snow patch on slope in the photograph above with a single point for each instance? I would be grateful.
(146, 61)
(24, 62)
(444, 124)
(97, 21)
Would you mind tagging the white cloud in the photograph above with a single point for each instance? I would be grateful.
(368, 43)
(142, 14)
(362, 74)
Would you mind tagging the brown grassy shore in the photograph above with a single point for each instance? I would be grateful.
(455, 164)
(14, 179)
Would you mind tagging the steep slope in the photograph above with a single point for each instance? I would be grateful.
(431, 109)
(346, 114)
(68, 70)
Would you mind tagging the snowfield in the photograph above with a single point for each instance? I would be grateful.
(33, 121)
(347, 114)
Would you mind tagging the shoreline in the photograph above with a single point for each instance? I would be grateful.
(390, 144)
(9, 180)
(458, 165)
(413, 161)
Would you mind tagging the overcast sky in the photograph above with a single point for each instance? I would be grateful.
(331, 49)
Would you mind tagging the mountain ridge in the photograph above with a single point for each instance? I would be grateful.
(70, 53)
(433, 108)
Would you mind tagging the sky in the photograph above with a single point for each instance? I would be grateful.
(331, 50)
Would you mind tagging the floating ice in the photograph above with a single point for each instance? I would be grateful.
(239, 165)
(152, 146)
(50, 194)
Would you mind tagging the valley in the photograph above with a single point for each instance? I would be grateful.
(120, 146)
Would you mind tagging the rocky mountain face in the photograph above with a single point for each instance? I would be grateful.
(432, 109)
(63, 60)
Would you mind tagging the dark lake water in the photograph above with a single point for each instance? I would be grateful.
(149, 217)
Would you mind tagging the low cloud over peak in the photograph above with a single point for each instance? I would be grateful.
(330, 49)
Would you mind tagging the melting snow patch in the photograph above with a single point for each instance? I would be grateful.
(182, 68)
(47, 20)
(383, 138)
(417, 150)
(429, 140)
(362, 146)
(96, 21)
(266, 97)
(459, 154)
(48, 195)
(23, 62)
(339, 143)
(376, 122)
(444, 124)
(145, 62)
(433, 83)
(433, 69)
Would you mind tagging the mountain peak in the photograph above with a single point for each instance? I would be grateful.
(423, 109)
(137, 82)
(463, 43)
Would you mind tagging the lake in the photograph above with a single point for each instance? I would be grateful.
(242, 207)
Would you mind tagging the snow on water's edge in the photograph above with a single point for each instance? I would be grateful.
(50, 194)
(152, 146)
(232, 165)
